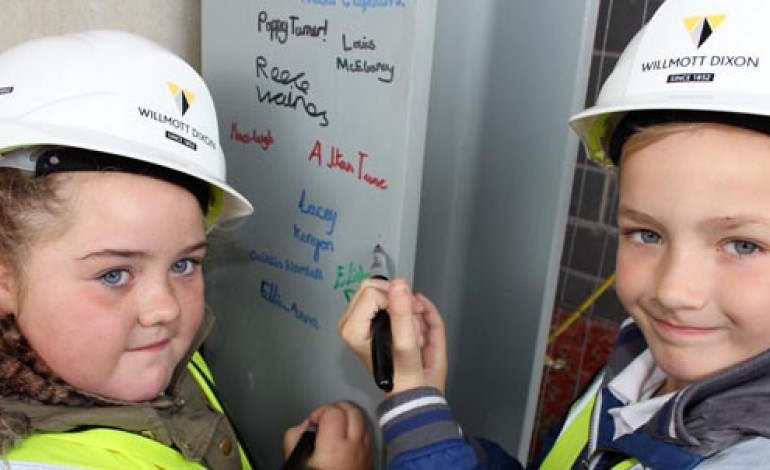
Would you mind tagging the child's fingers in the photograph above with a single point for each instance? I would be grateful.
(434, 351)
(291, 437)
(435, 327)
(341, 421)
(407, 360)
(342, 440)
(355, 324)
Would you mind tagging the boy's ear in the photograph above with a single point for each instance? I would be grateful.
(8, 289)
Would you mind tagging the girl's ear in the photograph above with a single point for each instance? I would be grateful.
(8, 289)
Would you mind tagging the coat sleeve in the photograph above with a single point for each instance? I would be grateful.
(420, 433)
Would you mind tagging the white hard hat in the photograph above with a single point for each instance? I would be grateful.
(693, 55)
(116, 93)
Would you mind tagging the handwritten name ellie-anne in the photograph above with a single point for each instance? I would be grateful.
(270, 292)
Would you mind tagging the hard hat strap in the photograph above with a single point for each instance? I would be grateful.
(61, 159)
(636, 120)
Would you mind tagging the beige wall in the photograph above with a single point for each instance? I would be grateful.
(176, 24)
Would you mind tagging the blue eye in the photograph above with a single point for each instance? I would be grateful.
(742, 247)
(645, 236)
(116, 277)
(184, 266)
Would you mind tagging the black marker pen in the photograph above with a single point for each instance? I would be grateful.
(303, 450)
(382, 339)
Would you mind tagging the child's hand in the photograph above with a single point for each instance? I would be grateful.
(419, 338)
(342, 441)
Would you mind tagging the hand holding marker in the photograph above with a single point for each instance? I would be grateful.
(382, 365)
(382, 340)
(303, 450)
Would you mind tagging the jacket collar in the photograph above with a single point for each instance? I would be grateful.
(709, 416)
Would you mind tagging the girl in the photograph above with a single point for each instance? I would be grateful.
(111, 175)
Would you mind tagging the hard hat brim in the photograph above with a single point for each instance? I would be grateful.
(15, 135)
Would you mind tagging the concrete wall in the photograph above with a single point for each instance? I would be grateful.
(175, 24)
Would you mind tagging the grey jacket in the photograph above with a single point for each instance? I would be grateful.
(721, 422)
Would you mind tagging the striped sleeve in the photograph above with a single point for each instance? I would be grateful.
(415, 419)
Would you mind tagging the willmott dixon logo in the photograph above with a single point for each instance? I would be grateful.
(702, 27)
(183, 98)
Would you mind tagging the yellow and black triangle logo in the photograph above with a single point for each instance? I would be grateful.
(183, 98)
(702, 27)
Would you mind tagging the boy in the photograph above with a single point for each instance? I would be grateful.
(684, 118)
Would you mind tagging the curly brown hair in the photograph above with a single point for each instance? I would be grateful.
(31, 209)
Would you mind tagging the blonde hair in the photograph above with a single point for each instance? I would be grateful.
(646, 136)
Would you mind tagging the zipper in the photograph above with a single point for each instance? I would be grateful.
(593, 431)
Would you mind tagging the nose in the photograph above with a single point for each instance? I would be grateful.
(159, 303)
(682, 281)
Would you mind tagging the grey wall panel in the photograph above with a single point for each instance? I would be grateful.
(497, 180)
(342, 173)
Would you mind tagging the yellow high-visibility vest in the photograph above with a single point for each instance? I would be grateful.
(113, 449)
(574, 437)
